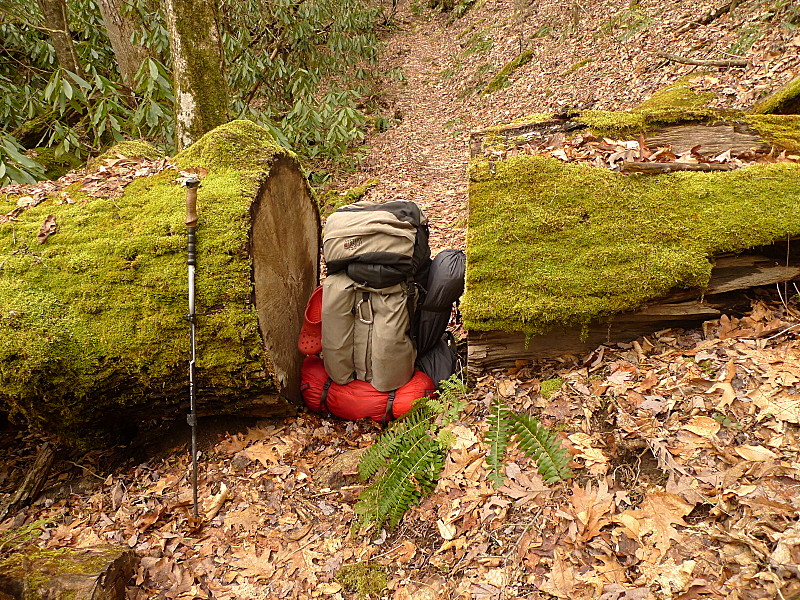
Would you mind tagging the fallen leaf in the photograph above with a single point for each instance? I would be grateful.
(446, 530)
(755, 453)
(704, 426)
(47, 229)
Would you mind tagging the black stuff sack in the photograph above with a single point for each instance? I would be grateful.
(444, 287)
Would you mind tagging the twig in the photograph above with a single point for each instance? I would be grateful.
(708, 17)
(782, 331)
(729, 62)
(87, 469)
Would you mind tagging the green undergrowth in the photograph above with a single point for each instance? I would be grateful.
(501, 80)
(363, 578)
(552, 243)
(532, 437)
(94, 317)
(405, 462)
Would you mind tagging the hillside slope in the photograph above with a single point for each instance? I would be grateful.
(594, 54)
(685, 444)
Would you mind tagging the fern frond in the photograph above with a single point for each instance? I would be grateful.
(407, 459)
(541, 444)
(501, 421)
(414, 424)
(408, 477)
(450, 400)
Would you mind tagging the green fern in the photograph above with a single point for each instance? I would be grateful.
(501, 421)
(541, 444)
(401, 433)
(407, 459)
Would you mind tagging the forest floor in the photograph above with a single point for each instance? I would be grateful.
(685, 444)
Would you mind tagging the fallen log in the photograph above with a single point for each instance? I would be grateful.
(565, 256)
(686, 308)
(95, 345)
(96, 573)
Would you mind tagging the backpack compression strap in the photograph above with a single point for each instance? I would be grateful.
(323, 401)
(389, 416)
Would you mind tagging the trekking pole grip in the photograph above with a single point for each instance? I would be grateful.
(191, 183)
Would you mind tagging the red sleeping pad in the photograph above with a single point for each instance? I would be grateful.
(358, 399)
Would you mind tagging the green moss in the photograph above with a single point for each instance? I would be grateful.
(501, 79)
(784, 101)
(552, 243)
(55, 167)
(333, 200)
(577, 66)
(37, 567)
(550, 386)
(679, 95)
(781, 130)
(239, 145)
(363, 578)
(127, 149)
(98, 311)
(631, 124)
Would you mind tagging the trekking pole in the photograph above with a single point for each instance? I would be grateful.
(192, 183)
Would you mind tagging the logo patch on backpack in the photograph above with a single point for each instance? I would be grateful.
(353, 243)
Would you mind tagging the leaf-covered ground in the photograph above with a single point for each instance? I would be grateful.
(685, 444)
(686, 452)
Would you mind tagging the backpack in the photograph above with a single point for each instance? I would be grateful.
(358, 399)
(375, 254)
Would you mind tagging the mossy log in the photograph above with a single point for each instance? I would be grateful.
(785, 101)
(562, 257)
(95, 343)
(96, 573)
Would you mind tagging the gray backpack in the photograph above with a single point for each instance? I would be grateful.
(375, 253)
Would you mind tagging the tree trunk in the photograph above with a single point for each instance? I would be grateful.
(201, 93)
(120, 28)
(732, 274)
(55, 19)
(95, 345)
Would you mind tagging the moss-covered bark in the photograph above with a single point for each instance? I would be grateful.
(785, 101)
(553, 244)
(94, 331)
(98, 573)
(201, 92)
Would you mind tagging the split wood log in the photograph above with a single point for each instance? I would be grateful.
(96, 346)
(685, 308)
(713, 139)
(96, 573)
(33, 482)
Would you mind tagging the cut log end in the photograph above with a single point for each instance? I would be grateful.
(284, 247)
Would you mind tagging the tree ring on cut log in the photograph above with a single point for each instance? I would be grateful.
(285, 262)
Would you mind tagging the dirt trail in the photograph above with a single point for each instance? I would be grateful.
(605, 56)
(420, 158)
